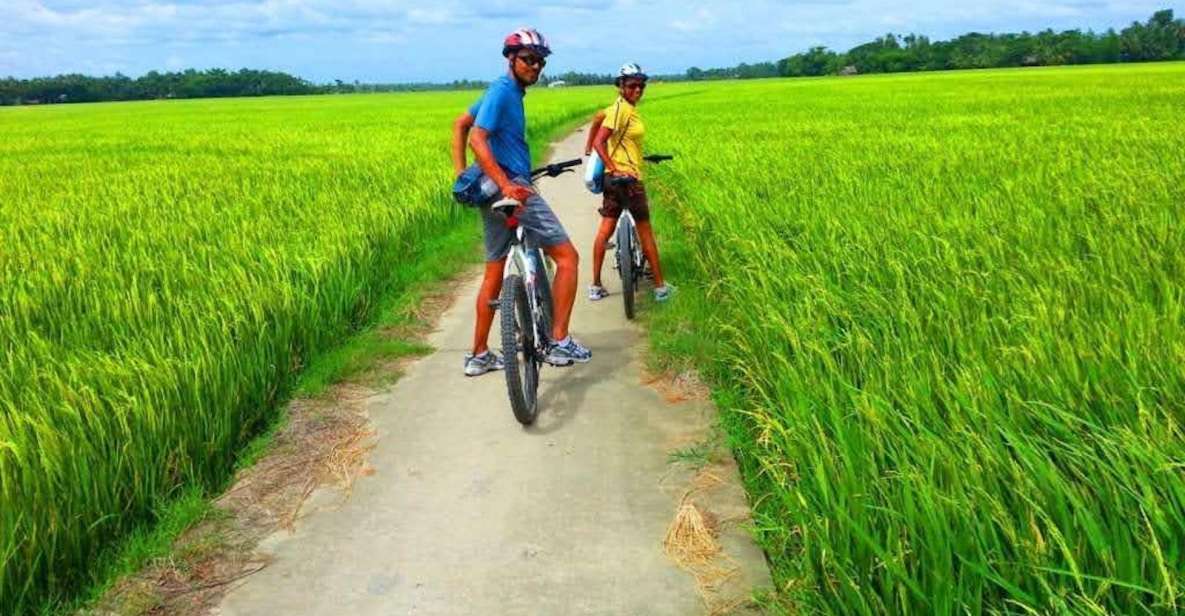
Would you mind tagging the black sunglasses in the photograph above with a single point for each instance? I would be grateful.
(634, 86)
(532, 60)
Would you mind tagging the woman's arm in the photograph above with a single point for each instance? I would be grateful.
(592, 132)
(461, 127)
(599, 145)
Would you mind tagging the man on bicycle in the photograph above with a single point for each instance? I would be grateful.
(495, 128)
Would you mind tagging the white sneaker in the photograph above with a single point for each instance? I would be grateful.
(477, 365)
(597, 292)
(568, 354)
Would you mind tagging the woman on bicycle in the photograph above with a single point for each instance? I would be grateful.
(618, 141)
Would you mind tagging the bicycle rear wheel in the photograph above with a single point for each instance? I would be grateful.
(625, 265)
(519, 350)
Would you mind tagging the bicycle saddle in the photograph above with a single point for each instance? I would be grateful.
(505, 207)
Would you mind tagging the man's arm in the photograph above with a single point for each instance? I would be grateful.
(461, 128)
(592, 132)
(485, 158)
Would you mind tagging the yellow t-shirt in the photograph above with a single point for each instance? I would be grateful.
(625, 144)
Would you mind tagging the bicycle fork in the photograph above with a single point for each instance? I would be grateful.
(637, 257)
(521, 261)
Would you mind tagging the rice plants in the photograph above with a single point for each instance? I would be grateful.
(167, 267)
(948, 312)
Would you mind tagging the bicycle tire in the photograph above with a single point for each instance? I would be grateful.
(625, 266)
(519, 351)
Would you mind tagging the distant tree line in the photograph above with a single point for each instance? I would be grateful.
(572, 78)
(190, 83)
(342, 87)
(186, 84)
(1160, 38)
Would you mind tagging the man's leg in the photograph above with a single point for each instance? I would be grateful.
(603, 233)
(639, 206)
(496, 238)
(491, 287)
(546, 229)
(650, 249)
(563, 288)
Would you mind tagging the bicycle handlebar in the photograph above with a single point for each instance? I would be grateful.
(555, 169)
(507, 205)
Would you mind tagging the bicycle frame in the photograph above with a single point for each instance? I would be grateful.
(526, 306)
(520, 261)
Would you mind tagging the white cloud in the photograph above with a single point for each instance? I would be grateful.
(324, 39)
(701, 20)
(430, 16)
(386, 38)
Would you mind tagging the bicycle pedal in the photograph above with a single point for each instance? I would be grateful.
(493, 303)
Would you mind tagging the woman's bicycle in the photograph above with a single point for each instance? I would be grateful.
(526, 306)
(631, 262)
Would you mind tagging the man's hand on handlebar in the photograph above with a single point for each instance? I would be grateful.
(517, 192)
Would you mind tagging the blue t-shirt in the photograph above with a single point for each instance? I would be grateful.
(500, 113)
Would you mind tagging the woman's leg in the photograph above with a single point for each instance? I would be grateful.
(603, 233)
(650, 249)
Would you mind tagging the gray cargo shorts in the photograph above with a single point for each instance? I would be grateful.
(541, 224)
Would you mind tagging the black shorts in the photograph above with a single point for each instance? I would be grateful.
(630, 197)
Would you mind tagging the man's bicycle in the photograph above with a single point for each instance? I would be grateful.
(526, 306)
(631, 262)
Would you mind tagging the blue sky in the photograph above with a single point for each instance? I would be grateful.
(395, 40)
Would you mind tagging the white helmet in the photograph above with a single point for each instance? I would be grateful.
(630, 69)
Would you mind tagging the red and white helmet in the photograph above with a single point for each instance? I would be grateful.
(525, 38)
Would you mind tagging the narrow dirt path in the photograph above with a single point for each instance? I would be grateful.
(468, 513)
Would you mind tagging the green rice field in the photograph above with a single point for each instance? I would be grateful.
(165, 270)
(944, 314)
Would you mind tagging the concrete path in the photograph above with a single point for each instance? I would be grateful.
(468, 513)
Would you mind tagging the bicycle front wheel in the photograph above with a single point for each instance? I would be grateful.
(625, 265)
(543, 293)
(519, 350)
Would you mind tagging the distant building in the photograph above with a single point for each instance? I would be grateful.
(559, 83)
(848, 70)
